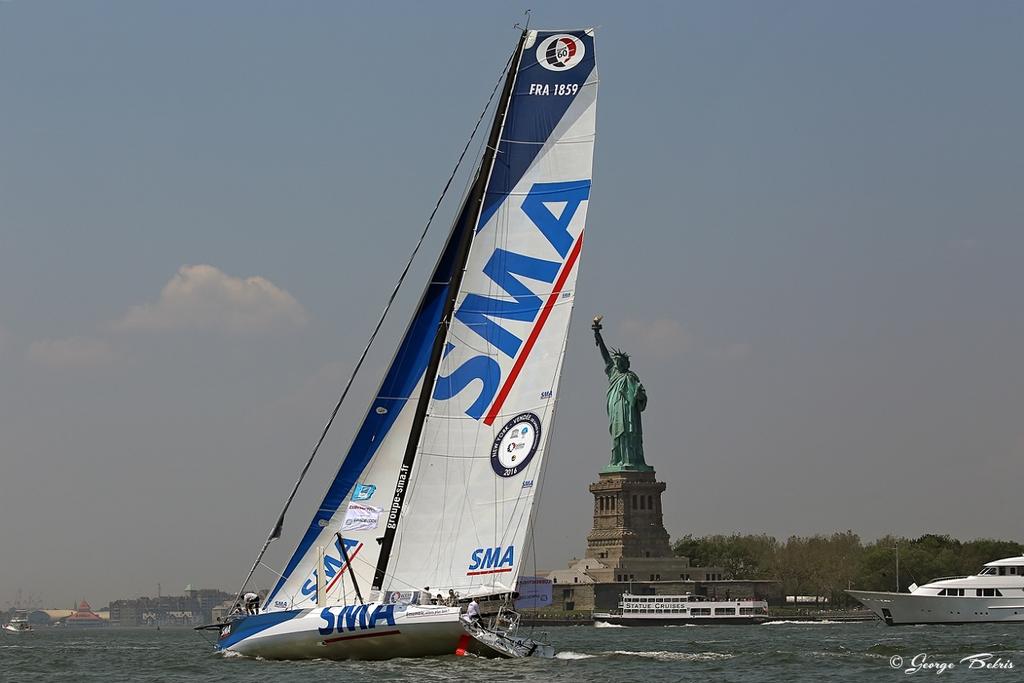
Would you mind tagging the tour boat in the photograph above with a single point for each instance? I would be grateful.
(676, 610)
(994, 594)
(437, 489)
(18, 623)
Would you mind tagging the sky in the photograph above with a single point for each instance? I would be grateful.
(805, 228)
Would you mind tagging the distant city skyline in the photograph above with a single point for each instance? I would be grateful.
(813, 211)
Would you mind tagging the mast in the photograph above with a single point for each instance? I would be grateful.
(469, 216)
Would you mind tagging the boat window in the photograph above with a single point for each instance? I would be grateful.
(701, 611)
(748, 610)
(1002, 571)
(725, 610)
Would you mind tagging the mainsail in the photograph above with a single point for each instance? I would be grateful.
(437, 489)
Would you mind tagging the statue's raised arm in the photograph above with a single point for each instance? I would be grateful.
(596, 327)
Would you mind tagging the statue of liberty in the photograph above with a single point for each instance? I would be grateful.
(626, 399)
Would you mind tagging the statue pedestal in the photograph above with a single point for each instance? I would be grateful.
(627, 516)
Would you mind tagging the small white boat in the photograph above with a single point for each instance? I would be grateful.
(18, 623)
(994, 594)
(675, 610)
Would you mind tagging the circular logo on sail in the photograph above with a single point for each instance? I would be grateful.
(515, 445)
(561, 52)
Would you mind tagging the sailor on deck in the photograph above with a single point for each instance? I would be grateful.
(252, 603)
(473, 612)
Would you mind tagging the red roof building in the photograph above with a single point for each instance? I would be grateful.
(84, 616)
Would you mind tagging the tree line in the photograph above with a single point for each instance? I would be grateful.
(827, 565)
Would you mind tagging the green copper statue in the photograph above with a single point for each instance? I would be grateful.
(626, 400)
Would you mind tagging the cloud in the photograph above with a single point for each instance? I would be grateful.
(661, 339)
(72, 352)
(204, 298)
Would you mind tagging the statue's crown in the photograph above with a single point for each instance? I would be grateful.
(619, 353)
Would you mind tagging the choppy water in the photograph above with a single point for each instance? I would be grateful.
(782, 651)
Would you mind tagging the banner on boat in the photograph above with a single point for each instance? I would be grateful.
(534, 591)
(360, 517)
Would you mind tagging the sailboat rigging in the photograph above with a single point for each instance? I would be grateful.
(435, 494)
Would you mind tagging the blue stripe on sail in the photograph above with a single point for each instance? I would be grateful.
(406, 369)
(532, 118)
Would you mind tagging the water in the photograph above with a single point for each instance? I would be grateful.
(785, 652)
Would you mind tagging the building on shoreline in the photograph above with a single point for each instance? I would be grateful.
(84, 617)
(191, 609)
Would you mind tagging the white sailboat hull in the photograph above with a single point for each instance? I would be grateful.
(370, 632)
(911, 608)
(346, 633)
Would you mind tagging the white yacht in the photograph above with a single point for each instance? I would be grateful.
(996, 593)
(674, 610)
(18, 623)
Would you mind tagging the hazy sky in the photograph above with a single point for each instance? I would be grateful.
(805, 228)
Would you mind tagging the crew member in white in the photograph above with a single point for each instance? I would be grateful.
(252, 603)
(473, 612)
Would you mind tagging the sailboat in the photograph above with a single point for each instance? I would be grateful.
(431, 506)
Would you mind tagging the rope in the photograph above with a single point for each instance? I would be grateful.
(275, 533)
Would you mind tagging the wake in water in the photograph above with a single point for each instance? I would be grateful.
(795, 621)
(569, 654)
(605, 624)
(666, 656)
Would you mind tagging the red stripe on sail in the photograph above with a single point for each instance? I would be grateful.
(490, 571)
(532, 339)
